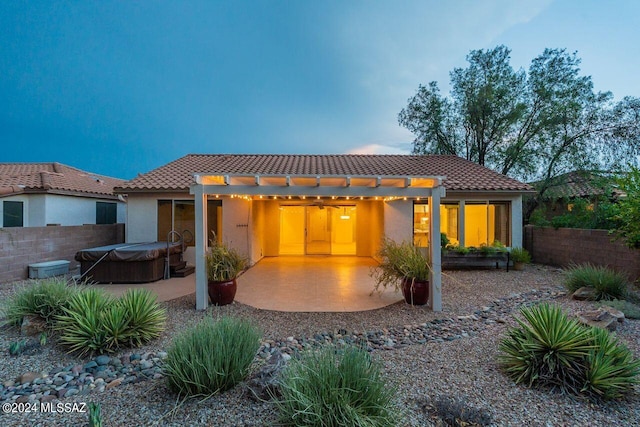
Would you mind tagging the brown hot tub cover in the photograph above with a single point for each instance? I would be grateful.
(129, 252)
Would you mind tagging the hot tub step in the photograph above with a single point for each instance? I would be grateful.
(178, 266)
(184, 272)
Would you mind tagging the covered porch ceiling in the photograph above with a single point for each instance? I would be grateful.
(302, 186)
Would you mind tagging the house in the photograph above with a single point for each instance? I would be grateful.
(273, 205)
(581, 186)
(40, 194)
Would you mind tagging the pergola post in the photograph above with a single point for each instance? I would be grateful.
(202, 297)
(435, 293)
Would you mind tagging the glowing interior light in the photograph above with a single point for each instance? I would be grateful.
(345, 215)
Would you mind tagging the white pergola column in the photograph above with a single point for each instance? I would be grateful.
(202, 296)
(435, 293)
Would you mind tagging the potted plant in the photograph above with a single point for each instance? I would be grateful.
(223, 265)
(403, 266)
(520, 257)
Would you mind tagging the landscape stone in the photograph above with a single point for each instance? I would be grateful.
(32, 326)
(28, 377)
(585, 293)
(598, 318)
(103, 360)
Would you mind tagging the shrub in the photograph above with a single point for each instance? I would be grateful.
(608, 284)
(630, 310)
(45, 299)
(549, 349)
(211, 357)
(455, 412)
(336, 388)
(145, 318)
(520, 255)
(82, 327)
(94, 321)
(611, 368)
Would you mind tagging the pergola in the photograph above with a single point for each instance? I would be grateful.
(301, 187)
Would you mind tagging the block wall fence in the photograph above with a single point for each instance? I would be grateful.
(21, 246)
(563, 246)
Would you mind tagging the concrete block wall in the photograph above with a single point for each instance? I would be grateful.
(22, 246)
(564, 246)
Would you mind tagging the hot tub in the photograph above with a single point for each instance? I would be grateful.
(127, 262)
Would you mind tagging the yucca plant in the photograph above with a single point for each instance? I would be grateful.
(608, 284)
(115, 323)
(82, 327)
(548, 349)
(611, 370)
(333, 387)
(95, 415)
(211, 357)
(145, 318)
(45, 299)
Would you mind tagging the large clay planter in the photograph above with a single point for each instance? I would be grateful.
(518, 266)
(415, 292)
(222, 293)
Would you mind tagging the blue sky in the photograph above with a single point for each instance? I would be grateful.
(120, 88)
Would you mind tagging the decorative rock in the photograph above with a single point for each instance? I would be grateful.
(103, 360)
(614, 312)
(114, 383)
(264, 385)
(90, 365)
(28, 377)
(32, 326)
(585, 293)
(71, 392)
(77, 369)
(47, 398)
(600, 318)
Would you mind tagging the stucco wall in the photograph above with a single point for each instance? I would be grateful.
(40, 210)
(142, 218)
(235, 224)
(21, 246)
(565, 246)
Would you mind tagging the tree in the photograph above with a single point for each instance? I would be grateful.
(628, 214)
(532, 126)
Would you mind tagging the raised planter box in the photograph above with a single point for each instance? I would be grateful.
(471, 260)
(42, 270)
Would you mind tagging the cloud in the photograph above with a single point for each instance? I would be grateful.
(381, 149)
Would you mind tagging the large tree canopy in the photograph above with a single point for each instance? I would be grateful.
(531, 125)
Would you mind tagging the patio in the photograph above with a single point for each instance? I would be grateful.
(292, 283)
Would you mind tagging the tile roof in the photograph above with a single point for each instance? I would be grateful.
(461, 175)
(53, 178)
(580, 184)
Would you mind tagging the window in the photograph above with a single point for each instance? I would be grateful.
(448, 223)
(106, 213)
(486, 222)
(12, 215)
(180, 215)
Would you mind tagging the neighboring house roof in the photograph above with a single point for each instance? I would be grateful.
(54, 178)
(461, 175)
(580, 184)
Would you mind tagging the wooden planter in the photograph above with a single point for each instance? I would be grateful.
(415, 292)
(222, 293)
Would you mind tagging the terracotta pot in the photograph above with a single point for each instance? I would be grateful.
(415, 292)
(222, 293)
(518, 266)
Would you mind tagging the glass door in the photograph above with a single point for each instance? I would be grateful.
(318, 236)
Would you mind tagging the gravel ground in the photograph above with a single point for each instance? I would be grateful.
(464, 368)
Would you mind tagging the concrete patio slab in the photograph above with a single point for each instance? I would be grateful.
(312, 283)
(291, 283)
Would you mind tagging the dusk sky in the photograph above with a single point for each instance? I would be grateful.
(120, 88)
